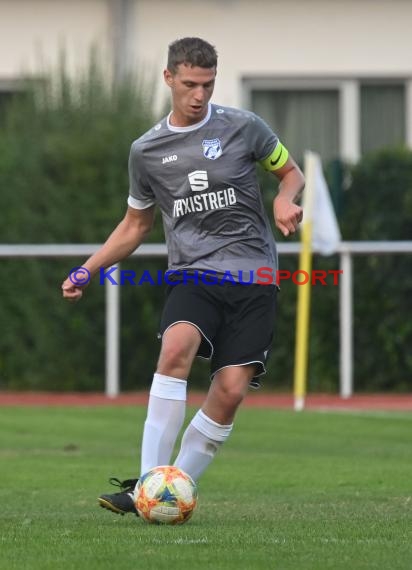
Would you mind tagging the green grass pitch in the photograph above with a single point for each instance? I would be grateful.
(307, 491)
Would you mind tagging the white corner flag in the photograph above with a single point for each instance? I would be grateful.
(320, 231)
(318, 208)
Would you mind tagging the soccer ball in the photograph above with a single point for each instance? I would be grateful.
(165, 495)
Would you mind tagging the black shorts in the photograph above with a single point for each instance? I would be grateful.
(236, 321)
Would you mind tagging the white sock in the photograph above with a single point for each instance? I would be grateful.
(165, 417)
(200, 442)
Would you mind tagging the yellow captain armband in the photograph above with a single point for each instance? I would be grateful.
(276, 159)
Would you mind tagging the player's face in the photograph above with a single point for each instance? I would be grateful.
(192, 88)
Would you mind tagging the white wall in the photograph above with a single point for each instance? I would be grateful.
(32, 33)
(253, 37)
(283, 37)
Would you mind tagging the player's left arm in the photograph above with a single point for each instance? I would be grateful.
(286, 212)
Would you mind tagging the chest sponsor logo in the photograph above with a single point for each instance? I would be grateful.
(206, 201)
(198, 180)
(212, 148)
(171, 158)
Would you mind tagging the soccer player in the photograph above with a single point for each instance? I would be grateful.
(198, 166)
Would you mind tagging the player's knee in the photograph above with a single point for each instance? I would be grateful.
(174, 356)
(231, 394)
(231, 386)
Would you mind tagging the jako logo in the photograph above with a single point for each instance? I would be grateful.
(167, 159)
(198, 180)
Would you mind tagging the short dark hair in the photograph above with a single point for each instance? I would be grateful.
(191, 51)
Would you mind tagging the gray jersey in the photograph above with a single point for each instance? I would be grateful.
(203, 178)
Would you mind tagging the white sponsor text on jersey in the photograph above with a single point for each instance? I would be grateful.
(204, 202)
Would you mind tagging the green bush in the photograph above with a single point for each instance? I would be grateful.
(63, 177)
(378, 206)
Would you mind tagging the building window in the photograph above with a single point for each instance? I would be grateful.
(9, 91)
(306, 119)
(340, 118)
(382, 112)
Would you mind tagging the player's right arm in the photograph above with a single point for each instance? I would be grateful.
(124, 239)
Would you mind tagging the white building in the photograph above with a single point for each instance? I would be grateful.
(331, 75)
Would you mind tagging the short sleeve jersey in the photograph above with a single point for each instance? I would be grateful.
(203, 178)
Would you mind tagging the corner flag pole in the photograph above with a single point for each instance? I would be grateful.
(304, 290)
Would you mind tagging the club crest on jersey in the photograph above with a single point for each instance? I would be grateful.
(212, 148)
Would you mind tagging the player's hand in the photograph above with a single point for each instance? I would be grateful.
(73, 286)
(288, 215)
(70, 291)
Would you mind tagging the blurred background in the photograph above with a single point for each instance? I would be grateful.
(81, 79)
